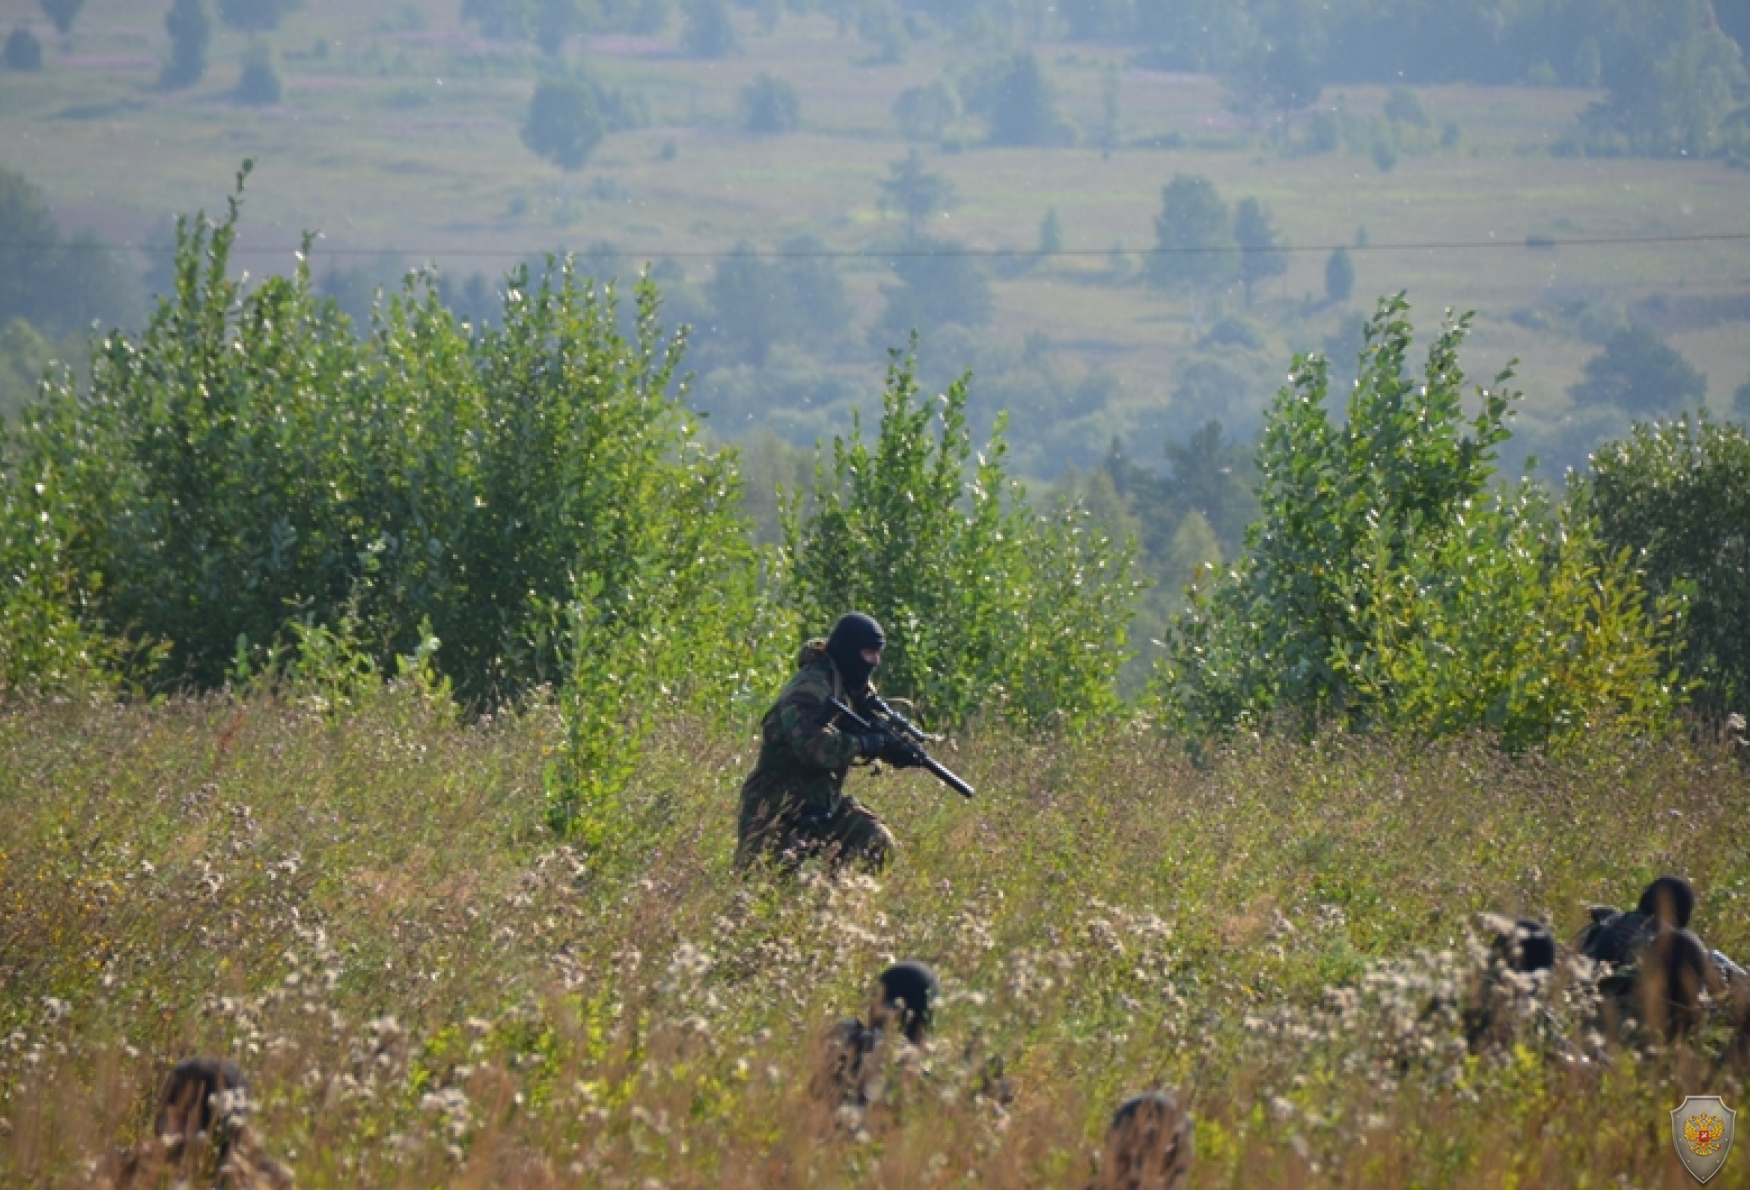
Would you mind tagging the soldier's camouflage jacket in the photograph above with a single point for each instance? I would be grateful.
(803, 758)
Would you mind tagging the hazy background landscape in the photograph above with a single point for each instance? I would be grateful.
(395, 135)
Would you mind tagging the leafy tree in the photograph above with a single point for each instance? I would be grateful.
(23, 51)
(1381, 585)
(1339, 275)
(750, 305)
(29, 243)
(1217, 386)
(1211, 474)
(820, 312)
(709, 32)
(63, 13)
(1741, 403)
(1672, 90)
(249, 473)
(939, 285)
(915, 191)
(1261, 254)
(190, 30)
(1404, 106)
(254, 16)
(555, 21)
(1050, 233)
(880, 23)
(986, 605)
(1194, 235)
(259, 84)
(926, 112)
(1023, 110)
(1280, 79)
(564, 123)
(25, 353)
(769, 105)
(1678, 495)
(508, 20)
(1640, 374)
(59, 286)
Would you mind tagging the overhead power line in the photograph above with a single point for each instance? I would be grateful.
(1532, 243)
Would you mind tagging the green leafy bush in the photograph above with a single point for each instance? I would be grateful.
(986, 605)
(565, 122)
(259, 84)
(190, 29)
(23, 51)
(770, 105)
(1515, 623)
(1640, 373)
(249, 484)
(1382, 585)
(1678, 494)
(49, 642)
(248, 462)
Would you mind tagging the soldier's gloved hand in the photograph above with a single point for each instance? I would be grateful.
(901, 753)
(871, 744)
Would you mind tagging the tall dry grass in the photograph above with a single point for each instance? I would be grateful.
(365, 912)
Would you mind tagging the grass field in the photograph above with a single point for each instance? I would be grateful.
(398, 130)
(427, 991)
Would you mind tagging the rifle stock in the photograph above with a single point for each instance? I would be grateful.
(895, 723)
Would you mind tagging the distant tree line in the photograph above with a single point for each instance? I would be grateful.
(59, 284)
(1672, 70)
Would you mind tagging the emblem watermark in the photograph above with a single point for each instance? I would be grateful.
(1701, 1131)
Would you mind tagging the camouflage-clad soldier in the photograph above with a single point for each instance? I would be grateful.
(1658, 967)
(793, 804)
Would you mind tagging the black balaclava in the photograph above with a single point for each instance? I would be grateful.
(910, 989)
(1534, 947)
(1670, 899)
(850, 636)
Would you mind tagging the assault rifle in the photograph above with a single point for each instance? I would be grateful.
(891, 722)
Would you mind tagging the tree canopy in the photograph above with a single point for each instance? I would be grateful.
(564, 123)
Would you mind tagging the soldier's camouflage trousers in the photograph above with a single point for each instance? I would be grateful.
(787, 832)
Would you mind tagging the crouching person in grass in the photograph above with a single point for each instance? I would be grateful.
(200, 1135)
(1657, 968)
(860, 1057)
(1148, 1146)
(793, 805)
(1508, 981)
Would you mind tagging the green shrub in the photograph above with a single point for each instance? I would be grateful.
(249, 483)
(248, 462)
(48, 640)
(985, 604)
(259, 84)
(1639, 373)
(190, 30)
(1510, 623)
(770, 105)
(23, 51)
(565, 122)
(63, 13)
(1381, 585)
(1678, 493)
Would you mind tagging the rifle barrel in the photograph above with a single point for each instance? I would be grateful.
(933, 766)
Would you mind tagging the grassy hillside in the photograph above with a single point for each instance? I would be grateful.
(366, 912)
(397, 139)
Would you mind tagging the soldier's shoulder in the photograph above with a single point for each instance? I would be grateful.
(812, 679)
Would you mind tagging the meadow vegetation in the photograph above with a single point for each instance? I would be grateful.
(376, 702)
(428, 988)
